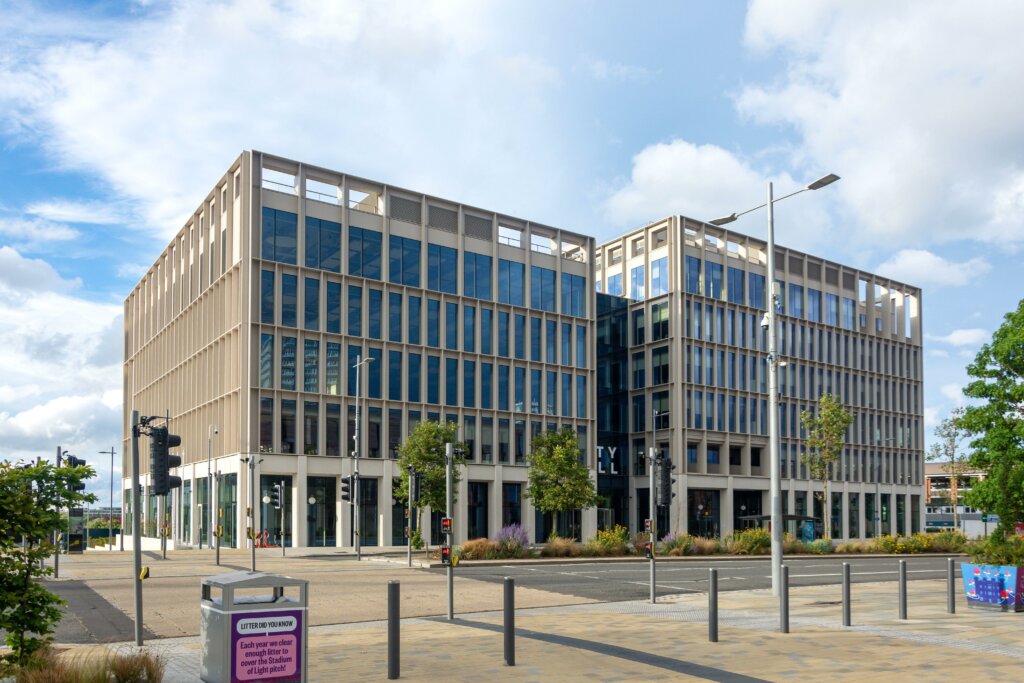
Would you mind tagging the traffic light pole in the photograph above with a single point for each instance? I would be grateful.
(281, 513)
(136, 529)
(57, 533)
(653, 462)
(448, 513)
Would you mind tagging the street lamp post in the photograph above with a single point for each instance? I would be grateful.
(360, 361)
(770, 323)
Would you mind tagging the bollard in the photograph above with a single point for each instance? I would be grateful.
(903, 589)
(713, 605)
(510, 621)
(784, 601)
(950, 586)
(394, 619)
(846, 593)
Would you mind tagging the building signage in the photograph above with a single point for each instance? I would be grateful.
(608, 460)
(266, 648)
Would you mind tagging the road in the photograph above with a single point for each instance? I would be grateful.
(616, 581)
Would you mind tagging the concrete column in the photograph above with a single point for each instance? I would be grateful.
(845, 512)
(494, 501)
(726, 511)
(384, 510)
(300, 508)
(460, 508)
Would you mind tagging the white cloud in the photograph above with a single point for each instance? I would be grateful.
(20, 274)
(383, 89)
(916, 105)
(972, 336)
(706, 182)
(921, 267)
(69, 211)
(604, 70)
(931, 416)
(32, 232)
(938, 353)
(953, 392)
(132, 271)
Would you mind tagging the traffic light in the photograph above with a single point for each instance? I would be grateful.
(665, 481)
(276, 496)
(446, 526)
(73, 461)
(414, 488)
(346, 489)
(446, 555)
(648, 550)
(161, 461)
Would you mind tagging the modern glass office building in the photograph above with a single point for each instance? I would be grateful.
(683, 369)
(248, 328)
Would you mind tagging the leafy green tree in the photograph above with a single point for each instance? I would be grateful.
(946, 451)
(996, 423)
(102, 523)
(558, 481)
(424, 450)
(826, 435)
(29, 498)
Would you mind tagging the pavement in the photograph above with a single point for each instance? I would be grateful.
(634, 640)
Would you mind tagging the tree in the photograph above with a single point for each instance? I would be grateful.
(946, 451)
(558, 481)
(29, 497)
(425, 451)
(996, 423)
(826, 435)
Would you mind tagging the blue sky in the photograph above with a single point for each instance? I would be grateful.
(115, 119)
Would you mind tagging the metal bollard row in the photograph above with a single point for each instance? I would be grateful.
(510, 621)
(713, 605)
(394, 620)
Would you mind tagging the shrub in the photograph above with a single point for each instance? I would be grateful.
(885, 544)
(560, 547)
(756, 541)
(819, 547)
(705, 546)
(478, 549)
(791, 545)
(855, 547)
(948, 541)
(998, 550)
(417, 539)
(639, 541)
(48, 666)
(511, 541)
(918, 543)
(676, 544)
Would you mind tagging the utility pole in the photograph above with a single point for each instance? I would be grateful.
(136, 529)
(57, 534)
(653, 465)
(408, 526)
(110, 516)
(251, 462)
(356, 501)
(448, 452)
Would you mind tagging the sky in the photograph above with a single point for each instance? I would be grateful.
(117, 117)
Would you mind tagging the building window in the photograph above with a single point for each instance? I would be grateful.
(535, 392)
(757, 291)
(659, 365)
(332, 442)
(375, 314)
(510, 282)
(566, 394)
(615, 284)
(581, 396)
(832, 309)
(310, 427)
(503, 380)
(279, 236)
(581, 346)
(289, 297)
(637, 280)
(451, 326)
(796, 300)
(469, 384)
(486, 325)
(287, 426)
(566, 344)
(355, 311)
(312, 304)
(433, 380)
(404, 261)
(639, 369)
(542, 288)
(486, 385)
(736, 286)
(659, 321)
(469, 329)
(692, 275)
(476, 275)
(334, 307)
(659, 276)
(394, 317)
(813, 305)
(536, 341)
(451, 381)
(433, 323)
(639, 414)
(414, 378)
(573, 301)
(520, 333)
(267, 361)
(660, 406)
(519, 389)
(266, 424)
(413, 314)
(288, 351)
(713, 280)
(503, 334)
(364, 253)
(267, 297)
(333, 371)
(442, 267)
(394, 375)
(551, 341)
(551, 389)
(311, 366)
(323, 244)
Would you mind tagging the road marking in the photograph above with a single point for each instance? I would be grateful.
(663, 585)
(894, 571)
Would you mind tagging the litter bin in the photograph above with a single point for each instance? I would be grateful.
(253, 630)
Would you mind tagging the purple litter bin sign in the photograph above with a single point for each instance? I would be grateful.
(267, 648)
